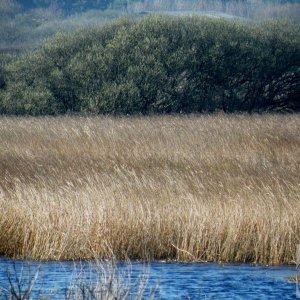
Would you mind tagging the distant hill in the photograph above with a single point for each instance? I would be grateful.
(72, 5)
(83, 5)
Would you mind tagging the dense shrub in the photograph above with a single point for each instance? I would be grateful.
(5, 58)
(160, 65)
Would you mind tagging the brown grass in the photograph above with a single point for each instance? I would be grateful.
(203, 188)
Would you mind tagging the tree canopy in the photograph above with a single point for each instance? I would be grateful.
(159, 65)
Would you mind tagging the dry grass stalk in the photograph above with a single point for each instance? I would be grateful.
(207, 188)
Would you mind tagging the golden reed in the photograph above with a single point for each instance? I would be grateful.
(198, 188)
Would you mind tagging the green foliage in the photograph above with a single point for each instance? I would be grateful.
(160, 65)
(5, 58)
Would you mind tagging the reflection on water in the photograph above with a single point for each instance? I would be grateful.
(171, 280)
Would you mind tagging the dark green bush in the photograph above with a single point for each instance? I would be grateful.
(5, 58)
(160, 65)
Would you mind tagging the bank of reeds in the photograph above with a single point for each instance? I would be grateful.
(201, 188)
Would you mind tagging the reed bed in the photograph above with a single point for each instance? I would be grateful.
(220, 188)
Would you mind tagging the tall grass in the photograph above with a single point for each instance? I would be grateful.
(199, 188)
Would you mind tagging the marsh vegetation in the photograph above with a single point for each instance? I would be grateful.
(199, 188)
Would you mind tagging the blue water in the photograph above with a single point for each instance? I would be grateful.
(163, 280)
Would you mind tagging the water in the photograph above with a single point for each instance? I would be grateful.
(164, 280)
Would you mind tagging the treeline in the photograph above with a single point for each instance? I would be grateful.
(72, 5)
(25, 24)
(159, 65)
(22, 30)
